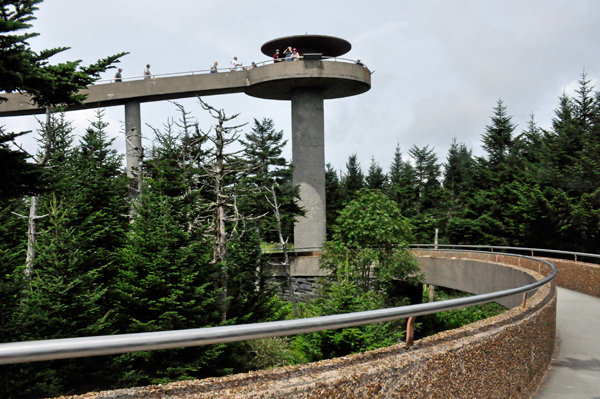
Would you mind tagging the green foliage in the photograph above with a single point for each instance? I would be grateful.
(275, 352)
(339, 297)
(165, 283)
(23, 70)
(443, 321)
(376, 179)
(369, 242)
(354, 178)
(366, 256)
(19, 176)
(263, 147)
(497, 140)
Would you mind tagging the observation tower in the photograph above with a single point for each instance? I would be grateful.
(319, 74)
(307, 83)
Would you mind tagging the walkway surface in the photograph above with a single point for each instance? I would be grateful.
(576, 371)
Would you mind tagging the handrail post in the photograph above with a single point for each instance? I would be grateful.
(410, 331)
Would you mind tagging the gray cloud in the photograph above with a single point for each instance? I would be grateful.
(440, 66)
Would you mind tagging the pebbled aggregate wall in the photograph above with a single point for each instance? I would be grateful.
(578, 276)
(500, 357)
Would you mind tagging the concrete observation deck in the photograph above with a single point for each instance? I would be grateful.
(275, 81)
(316, 76)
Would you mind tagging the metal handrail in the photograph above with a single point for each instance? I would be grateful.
(552, 251)
(220, 70)
(30, 351)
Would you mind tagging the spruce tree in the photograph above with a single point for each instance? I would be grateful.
(334, 194)
(427, 174)
(376, 179)
(497, 139)
(458, 171)
(353, 179)
(165, 282)
(263, 147)
(402, 184)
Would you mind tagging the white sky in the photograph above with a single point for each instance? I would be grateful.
(440, 66)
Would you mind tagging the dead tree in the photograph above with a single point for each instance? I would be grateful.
(33, 218)
(220, 167)
(286, 258)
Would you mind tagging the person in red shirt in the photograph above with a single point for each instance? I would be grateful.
(276, 56)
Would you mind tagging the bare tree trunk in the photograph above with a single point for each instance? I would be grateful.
(286, 258)
(222, 165)
(220, 248)
(34, 206)
(31, 238)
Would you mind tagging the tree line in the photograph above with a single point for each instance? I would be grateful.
(535, 187)
(186, 253)
(86, 250)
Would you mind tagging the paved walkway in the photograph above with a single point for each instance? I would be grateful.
(576, 371)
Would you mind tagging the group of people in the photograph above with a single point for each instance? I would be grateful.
(233, 66)
(290, 54)
(119, 77)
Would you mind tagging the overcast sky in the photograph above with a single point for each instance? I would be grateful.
(440, 66)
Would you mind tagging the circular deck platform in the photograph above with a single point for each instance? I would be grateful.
(329, 46)
(335, 79)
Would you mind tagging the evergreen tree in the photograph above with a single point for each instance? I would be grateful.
(458, 171)
(263, 147)
(497, 140)
(354, 178)
(427, 173)
(334, 194)
(376, 179)
(19, 176)
(402, 184)
(166, 282)
(23, 70)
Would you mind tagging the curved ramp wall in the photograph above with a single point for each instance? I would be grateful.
(476, 276)
(577, 276)
(500, 357)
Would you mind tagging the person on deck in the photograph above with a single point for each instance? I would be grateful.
(118, 75)
(147, 74)
(233, 65)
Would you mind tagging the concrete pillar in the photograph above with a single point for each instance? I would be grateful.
(308, 157)
(133, 136)
(133, 146)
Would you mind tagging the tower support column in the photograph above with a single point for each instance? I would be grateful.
(133, 144)
(308, 157)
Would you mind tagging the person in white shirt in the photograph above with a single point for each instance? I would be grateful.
(234, 64)
(147, 74)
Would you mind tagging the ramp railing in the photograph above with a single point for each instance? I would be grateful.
(31, 351)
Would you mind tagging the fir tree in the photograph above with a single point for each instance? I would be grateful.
(376, 179)
(263, 147)
(427, 173)
(354, 178)
(458, 171)
(402, 184)
(497, 140)
(166, 282)
(334, 194)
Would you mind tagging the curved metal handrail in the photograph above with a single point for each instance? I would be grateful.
(30, 351)
(551, 251)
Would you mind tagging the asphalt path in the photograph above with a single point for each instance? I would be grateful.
(575, 372)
